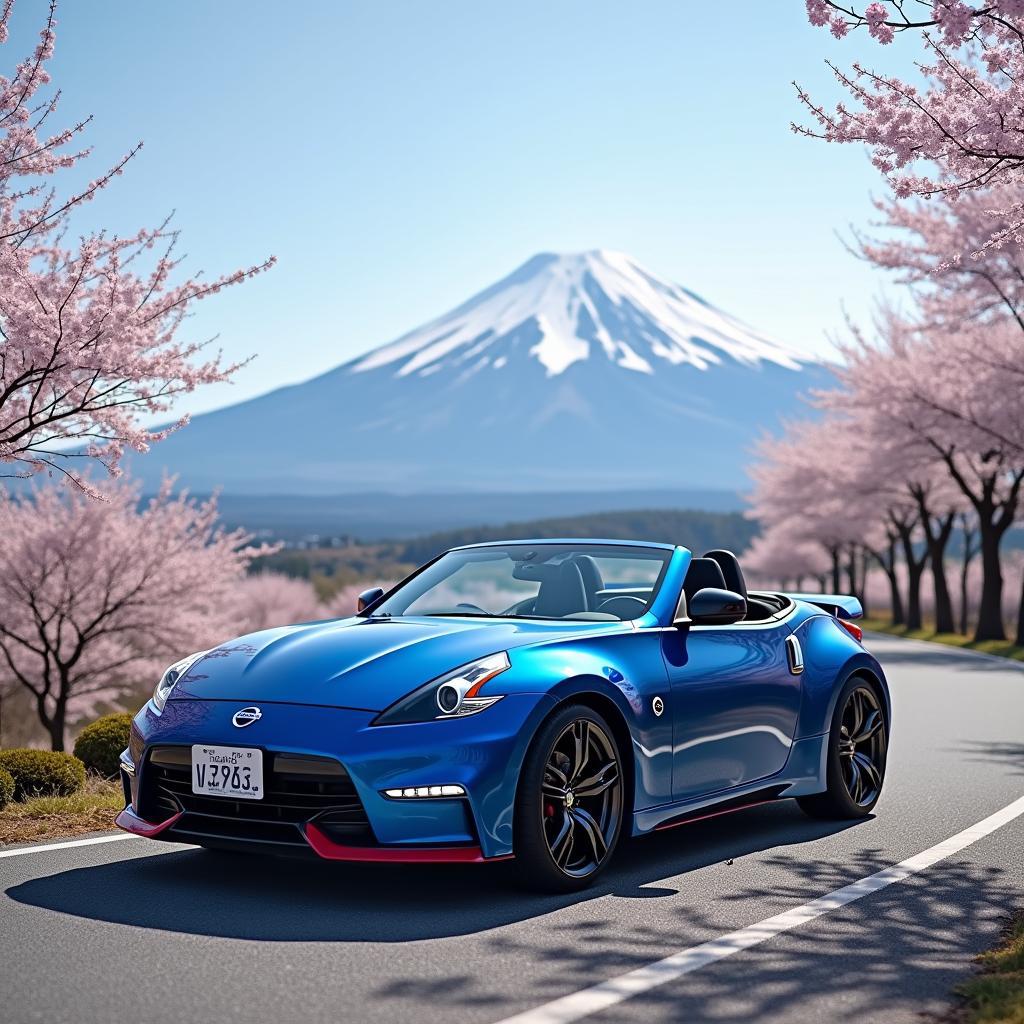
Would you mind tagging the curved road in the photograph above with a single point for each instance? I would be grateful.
(166, 933)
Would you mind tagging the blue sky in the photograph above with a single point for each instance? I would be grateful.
(398, 156)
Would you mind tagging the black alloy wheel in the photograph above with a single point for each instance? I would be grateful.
(570, 802)
(857, 746)
(862, 746)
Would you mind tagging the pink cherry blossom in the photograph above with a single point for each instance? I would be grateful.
(97, 597)
(90, 333)
(269, 599)
(955, 127)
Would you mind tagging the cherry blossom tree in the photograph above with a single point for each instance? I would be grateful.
(940, 388)
(796, 481)
(783, 555)
(96, 596)
(268, 599)
(938, 247)
(89, 331)
(962, 126)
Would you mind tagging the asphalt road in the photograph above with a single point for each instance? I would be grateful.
(154, 932)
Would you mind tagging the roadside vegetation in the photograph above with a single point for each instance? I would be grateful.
(996, 994)
(91, 809)
(47, 794)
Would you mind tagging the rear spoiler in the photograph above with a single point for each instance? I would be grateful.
(842, 606)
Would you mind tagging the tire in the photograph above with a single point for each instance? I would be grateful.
(858, 741)
(569, 802)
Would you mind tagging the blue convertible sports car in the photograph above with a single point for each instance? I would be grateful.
(527, 699)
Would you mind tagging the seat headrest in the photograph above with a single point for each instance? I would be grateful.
(561, 593)
(703, 572)
(731, 571)
(592, 580)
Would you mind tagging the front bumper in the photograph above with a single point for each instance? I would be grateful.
(482, 753)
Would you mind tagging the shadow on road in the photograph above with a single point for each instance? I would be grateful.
(999, 752)
(246, 897)
(896, 954)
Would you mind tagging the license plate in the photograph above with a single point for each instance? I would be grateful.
(236, 772)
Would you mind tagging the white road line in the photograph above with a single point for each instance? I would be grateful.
(608, 993)
(43, 847)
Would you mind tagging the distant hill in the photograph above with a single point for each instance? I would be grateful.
(699, 531)
(316, 520)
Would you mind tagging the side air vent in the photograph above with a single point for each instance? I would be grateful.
(796, 655)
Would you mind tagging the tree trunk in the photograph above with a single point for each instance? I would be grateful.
(56, 731)
(888, 563)
(895, 598)
(937, 541)
(990, 610)
(963, 597)
(969, 551)
(915, 570)
(1019, 639)
(53, 724)
(851, 571)
(837, 582)
(937, 530)
(995, 515)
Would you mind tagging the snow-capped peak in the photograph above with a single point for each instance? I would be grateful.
(563, 309)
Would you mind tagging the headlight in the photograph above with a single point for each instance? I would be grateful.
(455, 695)
(171, 676)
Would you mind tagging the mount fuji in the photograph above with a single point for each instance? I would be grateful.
(582, 371)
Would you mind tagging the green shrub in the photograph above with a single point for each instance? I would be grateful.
(43, 772)
(6, 788)
(99, 745)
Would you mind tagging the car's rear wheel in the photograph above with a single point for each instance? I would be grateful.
(857, 747)
(569, 803)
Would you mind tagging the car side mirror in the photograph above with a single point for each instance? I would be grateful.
(713, 606)
(367, 597)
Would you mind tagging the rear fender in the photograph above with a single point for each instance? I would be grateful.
(831, 656)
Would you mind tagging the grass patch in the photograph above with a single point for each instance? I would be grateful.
(996, 995)
(92, 809)
(1000, 648)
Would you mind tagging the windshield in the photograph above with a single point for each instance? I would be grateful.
(538, 581)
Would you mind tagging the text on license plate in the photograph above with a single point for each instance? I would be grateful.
(227, 771)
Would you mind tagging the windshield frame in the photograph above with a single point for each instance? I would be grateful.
(660, 552)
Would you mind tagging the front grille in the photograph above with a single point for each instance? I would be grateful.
(297, 789)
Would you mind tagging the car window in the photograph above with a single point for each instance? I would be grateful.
(534, 581)
(486, 585)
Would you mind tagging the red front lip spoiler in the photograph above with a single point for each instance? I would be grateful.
(330, 850)
(325, 847)
(131, 822)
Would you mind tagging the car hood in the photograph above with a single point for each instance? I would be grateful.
(358, 663)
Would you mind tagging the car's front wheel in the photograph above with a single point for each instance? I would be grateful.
(569, 803)
(857, 747)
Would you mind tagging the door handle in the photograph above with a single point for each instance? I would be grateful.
(795, 654)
